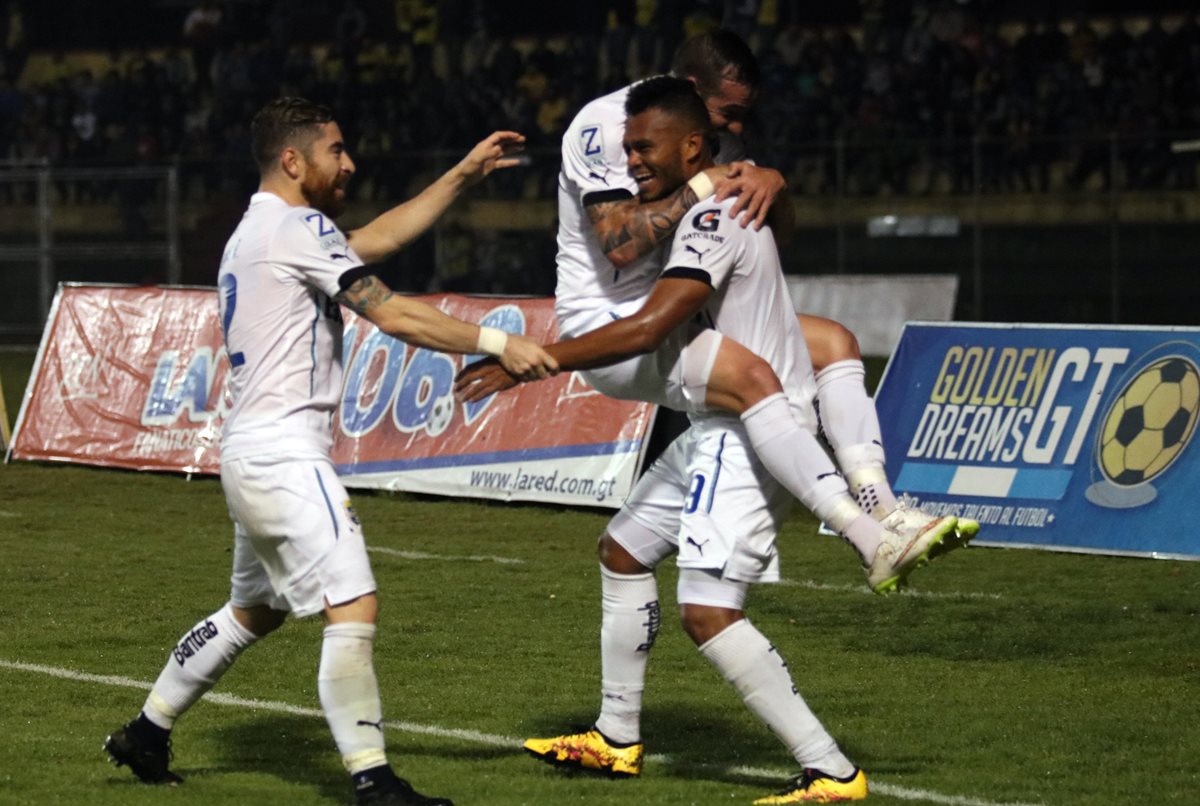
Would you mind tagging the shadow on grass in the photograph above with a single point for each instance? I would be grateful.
(719, 746)
(301, 751)
(696, 745)
(295, 749)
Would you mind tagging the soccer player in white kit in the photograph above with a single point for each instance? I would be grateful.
(298, 546)
(610, 253)
(727, 278)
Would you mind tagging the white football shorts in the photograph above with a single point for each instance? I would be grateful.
(709, 499)
(675, 375)
(297, 542)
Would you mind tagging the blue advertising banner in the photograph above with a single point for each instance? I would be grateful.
(1052, 436)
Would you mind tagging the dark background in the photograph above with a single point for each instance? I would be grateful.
(129, 23)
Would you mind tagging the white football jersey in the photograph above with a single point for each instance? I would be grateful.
(750, 302)
(594, 169)
(279, 273)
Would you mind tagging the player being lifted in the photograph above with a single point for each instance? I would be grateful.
(298, 546)
(608, 259)
(706, 499)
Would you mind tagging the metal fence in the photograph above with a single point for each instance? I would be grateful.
(103, 223)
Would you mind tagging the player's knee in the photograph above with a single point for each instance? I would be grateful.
(259, 619)
(702, 623)
(843, 344)
(362, 610)
(760, 381)
(829, 342)
(752, 381)
(616, 558)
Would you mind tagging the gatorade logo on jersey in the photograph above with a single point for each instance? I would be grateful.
(707, 221)
(704, 228)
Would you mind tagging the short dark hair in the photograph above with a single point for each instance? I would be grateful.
(287, 121)
(676, 96)
(717, 55)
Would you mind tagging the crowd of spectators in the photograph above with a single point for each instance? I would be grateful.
(949, 92)
(922, 96)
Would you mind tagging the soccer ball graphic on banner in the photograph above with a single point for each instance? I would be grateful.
(440, 415)
(1146, 429)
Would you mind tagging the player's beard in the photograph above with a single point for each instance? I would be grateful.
(666, 179)
(324, 194)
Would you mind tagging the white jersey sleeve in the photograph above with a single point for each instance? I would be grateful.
(708, 244)
(750, 303)
(310, 247)
(594, 169)
(593, 156)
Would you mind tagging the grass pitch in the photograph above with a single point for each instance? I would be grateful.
(1009, 677)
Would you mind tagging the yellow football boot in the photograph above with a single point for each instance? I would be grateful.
(814, 786)
(591, 751)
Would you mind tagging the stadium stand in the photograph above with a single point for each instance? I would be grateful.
(941, 74)
(881, 99)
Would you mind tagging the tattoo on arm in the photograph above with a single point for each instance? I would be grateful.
(629, 230)
(363, 294)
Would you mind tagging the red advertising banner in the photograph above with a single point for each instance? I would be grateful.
(399, 427)
(135, 378)
(127, 377)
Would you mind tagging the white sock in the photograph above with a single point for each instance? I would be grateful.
(196, 664)
(627, 631)
(865, 534)
(747, 659)
(349, 694)
(851, 425)
(792, 454)
(871, 490)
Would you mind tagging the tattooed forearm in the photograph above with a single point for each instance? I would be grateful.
(364, 294)
(628, 230)
(608, 219)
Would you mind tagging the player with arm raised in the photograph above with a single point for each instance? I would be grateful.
(706, 500)
(298, 546)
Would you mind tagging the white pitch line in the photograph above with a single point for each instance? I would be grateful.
(421, 555)
(7, 514)
(891, 790)
(823, 586)
(478, 737)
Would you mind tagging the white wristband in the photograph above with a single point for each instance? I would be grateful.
(491, 341)
(701, 185)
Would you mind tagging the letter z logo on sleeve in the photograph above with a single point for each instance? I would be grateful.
(328, 236)
(318, 222)
(592, 140)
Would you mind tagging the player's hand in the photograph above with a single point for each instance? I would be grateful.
(717, 173)
(497, 150)
(481, 379)
(526, 360)
(756, 189)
